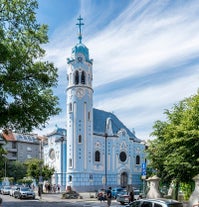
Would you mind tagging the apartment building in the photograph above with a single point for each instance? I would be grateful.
(21, 147)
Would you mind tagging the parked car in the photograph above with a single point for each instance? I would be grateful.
(160, 202)
(116, 191)
(5, 190)
(12, 190)
(24, 192)
(137, 194)
(123, 196)
(101, 194)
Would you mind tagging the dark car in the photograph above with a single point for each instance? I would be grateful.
(24, 192)
(159, 202)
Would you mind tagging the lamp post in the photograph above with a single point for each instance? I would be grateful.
(6, 181)
(62, 153)
(105, 166)
(40, 186)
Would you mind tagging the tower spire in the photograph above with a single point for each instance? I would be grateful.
(80, 24)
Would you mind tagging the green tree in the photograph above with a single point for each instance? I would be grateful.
(17, 170)
(3, 159)
(26, 80)
(35, 169)
(175, 151)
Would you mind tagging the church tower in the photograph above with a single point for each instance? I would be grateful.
(79, 115)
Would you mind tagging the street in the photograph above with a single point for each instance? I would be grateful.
(52, 200)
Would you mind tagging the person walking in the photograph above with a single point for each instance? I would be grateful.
(109, 196)
(131, 197)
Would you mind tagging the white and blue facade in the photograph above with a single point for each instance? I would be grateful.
(54, 155)
(98, 149)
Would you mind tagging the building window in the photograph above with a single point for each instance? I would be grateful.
(70, 162)
(29, 156)
(52, 154)
(123, 156)
(89, 116)
(14, 154)
(70, 107)
(137, 160)
(80, 139)
(29, 149)
(83, 78)
(76, 77)
(70, 178)
(97, 156)
(14, 145)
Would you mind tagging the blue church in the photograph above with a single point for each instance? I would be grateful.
(96, 149)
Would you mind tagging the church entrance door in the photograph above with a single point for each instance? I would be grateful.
(124, 179)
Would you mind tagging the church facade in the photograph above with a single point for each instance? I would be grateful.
(96, 150)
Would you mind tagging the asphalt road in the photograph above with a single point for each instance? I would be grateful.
(52, 200)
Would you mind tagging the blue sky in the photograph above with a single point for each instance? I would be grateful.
(146, 55)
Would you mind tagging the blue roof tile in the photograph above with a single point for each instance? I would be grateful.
(99, 122)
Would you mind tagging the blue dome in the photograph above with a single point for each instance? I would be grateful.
(81, 48)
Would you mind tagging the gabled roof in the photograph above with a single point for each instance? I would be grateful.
(9, 136)
(99, 122)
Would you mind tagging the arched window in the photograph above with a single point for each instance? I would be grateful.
(83, 78)
(70, 178)
(89, 116)
(70, 162)
(137, 160)
(97, 156)
(70, 107)
(76, 77)
(80, 139)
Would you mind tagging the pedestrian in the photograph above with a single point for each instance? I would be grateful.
(1, 201)
(100, 195)
(109, 196)
(131, 197)
(58, 188)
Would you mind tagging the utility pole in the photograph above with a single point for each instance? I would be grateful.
(106, 136)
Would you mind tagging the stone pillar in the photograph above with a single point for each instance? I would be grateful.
(153, 187)
(194, 198)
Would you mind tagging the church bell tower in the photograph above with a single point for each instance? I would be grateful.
(79, 115)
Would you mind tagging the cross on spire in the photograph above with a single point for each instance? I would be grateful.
(80, 24)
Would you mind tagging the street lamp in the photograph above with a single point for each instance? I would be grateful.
(105, 136)
(40, 184)
(62, 153)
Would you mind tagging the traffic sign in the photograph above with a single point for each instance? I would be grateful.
(144, 169)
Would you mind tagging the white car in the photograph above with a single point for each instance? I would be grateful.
(159, 202)
(6, 190)
(24, 192)
(123, 196)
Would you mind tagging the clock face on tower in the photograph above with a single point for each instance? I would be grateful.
(80, 93)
